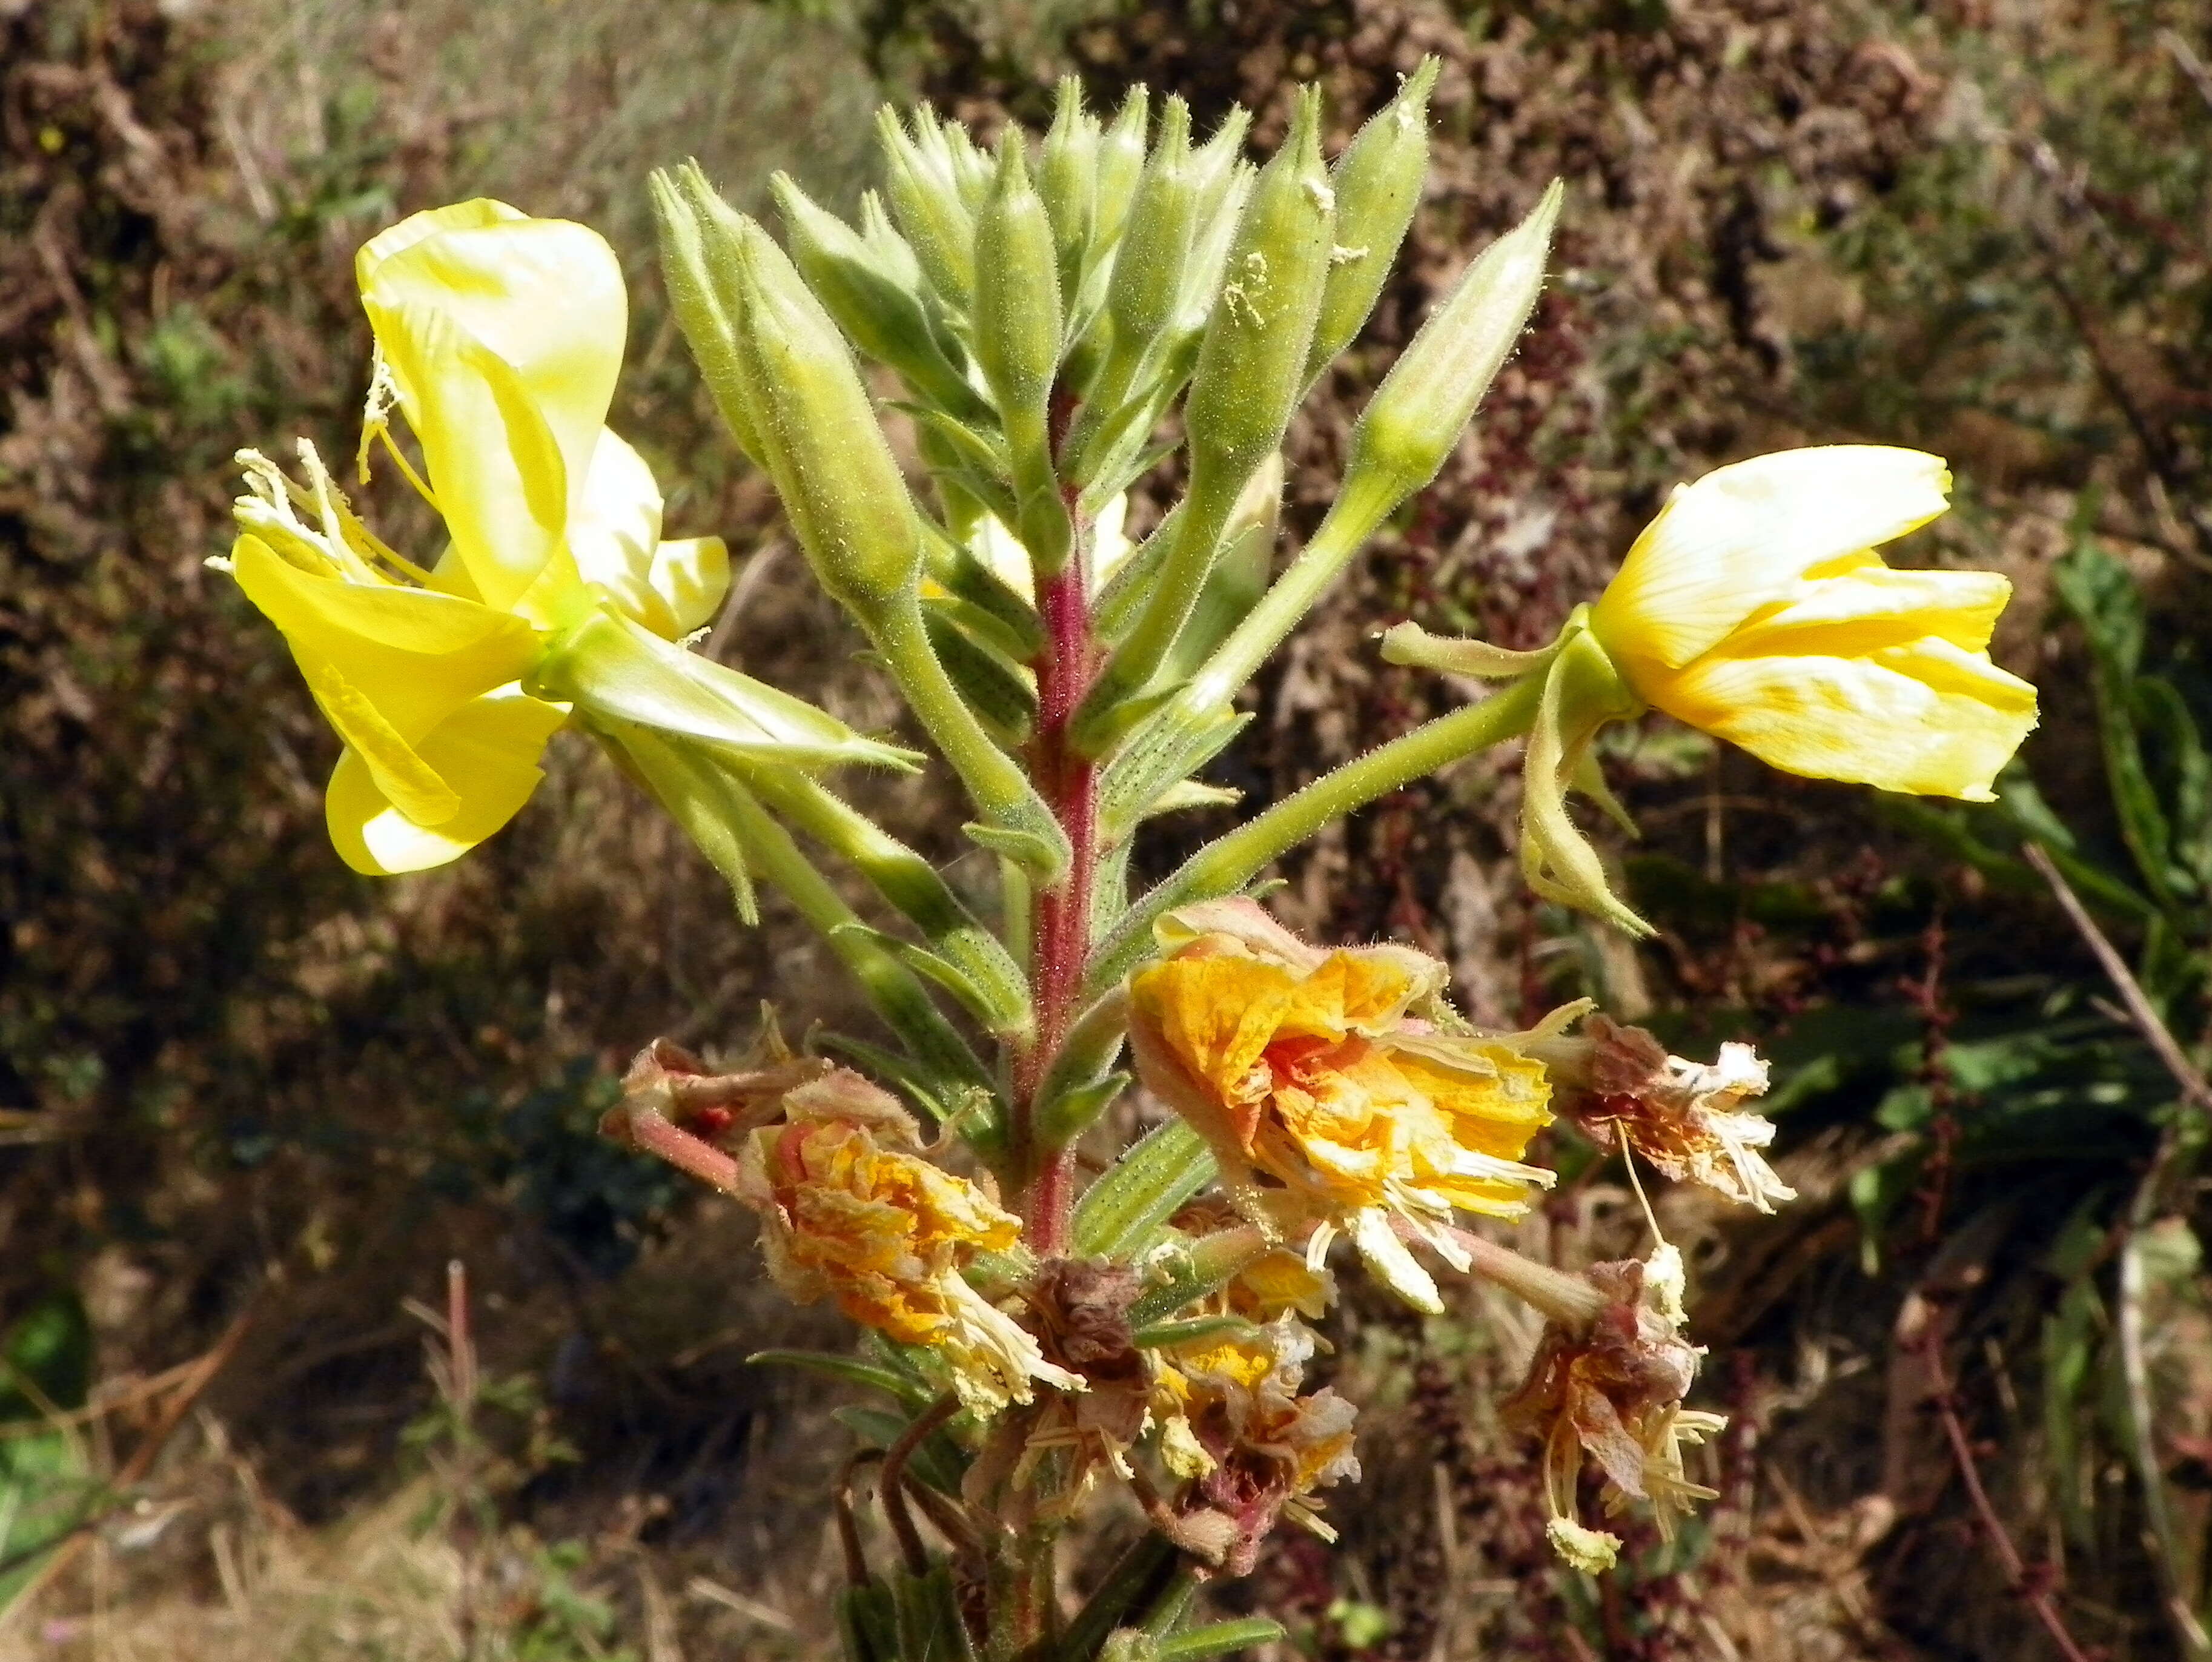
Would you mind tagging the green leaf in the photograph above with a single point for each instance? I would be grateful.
(1218, 1639)
(930, 1626)
(1168, 1335)
(2103, 598)
(850, 1370)
(46, 1358)
(986, 1007)
(1064, 1117)
(1122, 1213)
(686, 787)
(1001, 696)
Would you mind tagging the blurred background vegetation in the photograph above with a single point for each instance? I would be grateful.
(251, 1105)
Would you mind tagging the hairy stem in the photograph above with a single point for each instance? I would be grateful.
(1223, 867)
(896, 992)
(1060, 942)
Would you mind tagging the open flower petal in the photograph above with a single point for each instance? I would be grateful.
(1743, 536)
(691, 574)
(501, 481)
(1925, 716)
(416, 655)
(543, 296)
(486, 753)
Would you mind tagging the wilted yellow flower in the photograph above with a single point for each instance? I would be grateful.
(1231, 1419)
(1324, 1098)
(499, 336)
(1755, 608)
(851, 1210)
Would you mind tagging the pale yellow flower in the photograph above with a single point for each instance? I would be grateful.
(1325, 1098)
(853, 1210)
(1755, 608)
(499, 337)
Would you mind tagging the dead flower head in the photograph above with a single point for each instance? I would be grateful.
(1612, 1390)
(1232, 1420)
(1678, 1115)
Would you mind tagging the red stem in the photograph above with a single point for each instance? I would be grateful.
(1060, 946)
(2028, 1584)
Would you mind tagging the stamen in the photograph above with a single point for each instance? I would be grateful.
(391, 447)
(318, 477)
(376, 408)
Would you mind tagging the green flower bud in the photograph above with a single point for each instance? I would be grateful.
(875, 296)
(836, 473)
(1249, 375)
(970, 169)
(1017, 334)
(1121, 160)
(1149, 267)
(926, 200)
(1068, 180)
(1378, 186)
(1251, 364)
(707, 327)
(1416, 415)
(1143, 288)
(1017, 316)
(1226, 182)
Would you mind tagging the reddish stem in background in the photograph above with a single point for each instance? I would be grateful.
(2034, 1585)
(1061, 944)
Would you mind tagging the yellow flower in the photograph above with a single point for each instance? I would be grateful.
(1755, 608)
(499, 337)
(851, 1211)
(1324, 1099)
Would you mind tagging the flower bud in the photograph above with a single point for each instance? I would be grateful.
(1017, 310)
(1377, 181)
(832, 469)
(1248, 378)
(927, 201)
(875, 296)
(1068, 181)
(955, 151)
(1416, 415)
(1148, 270)
(1251, 362)
(707, 327)
(1121, 160)
(1224, 182)
(1016, 338)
